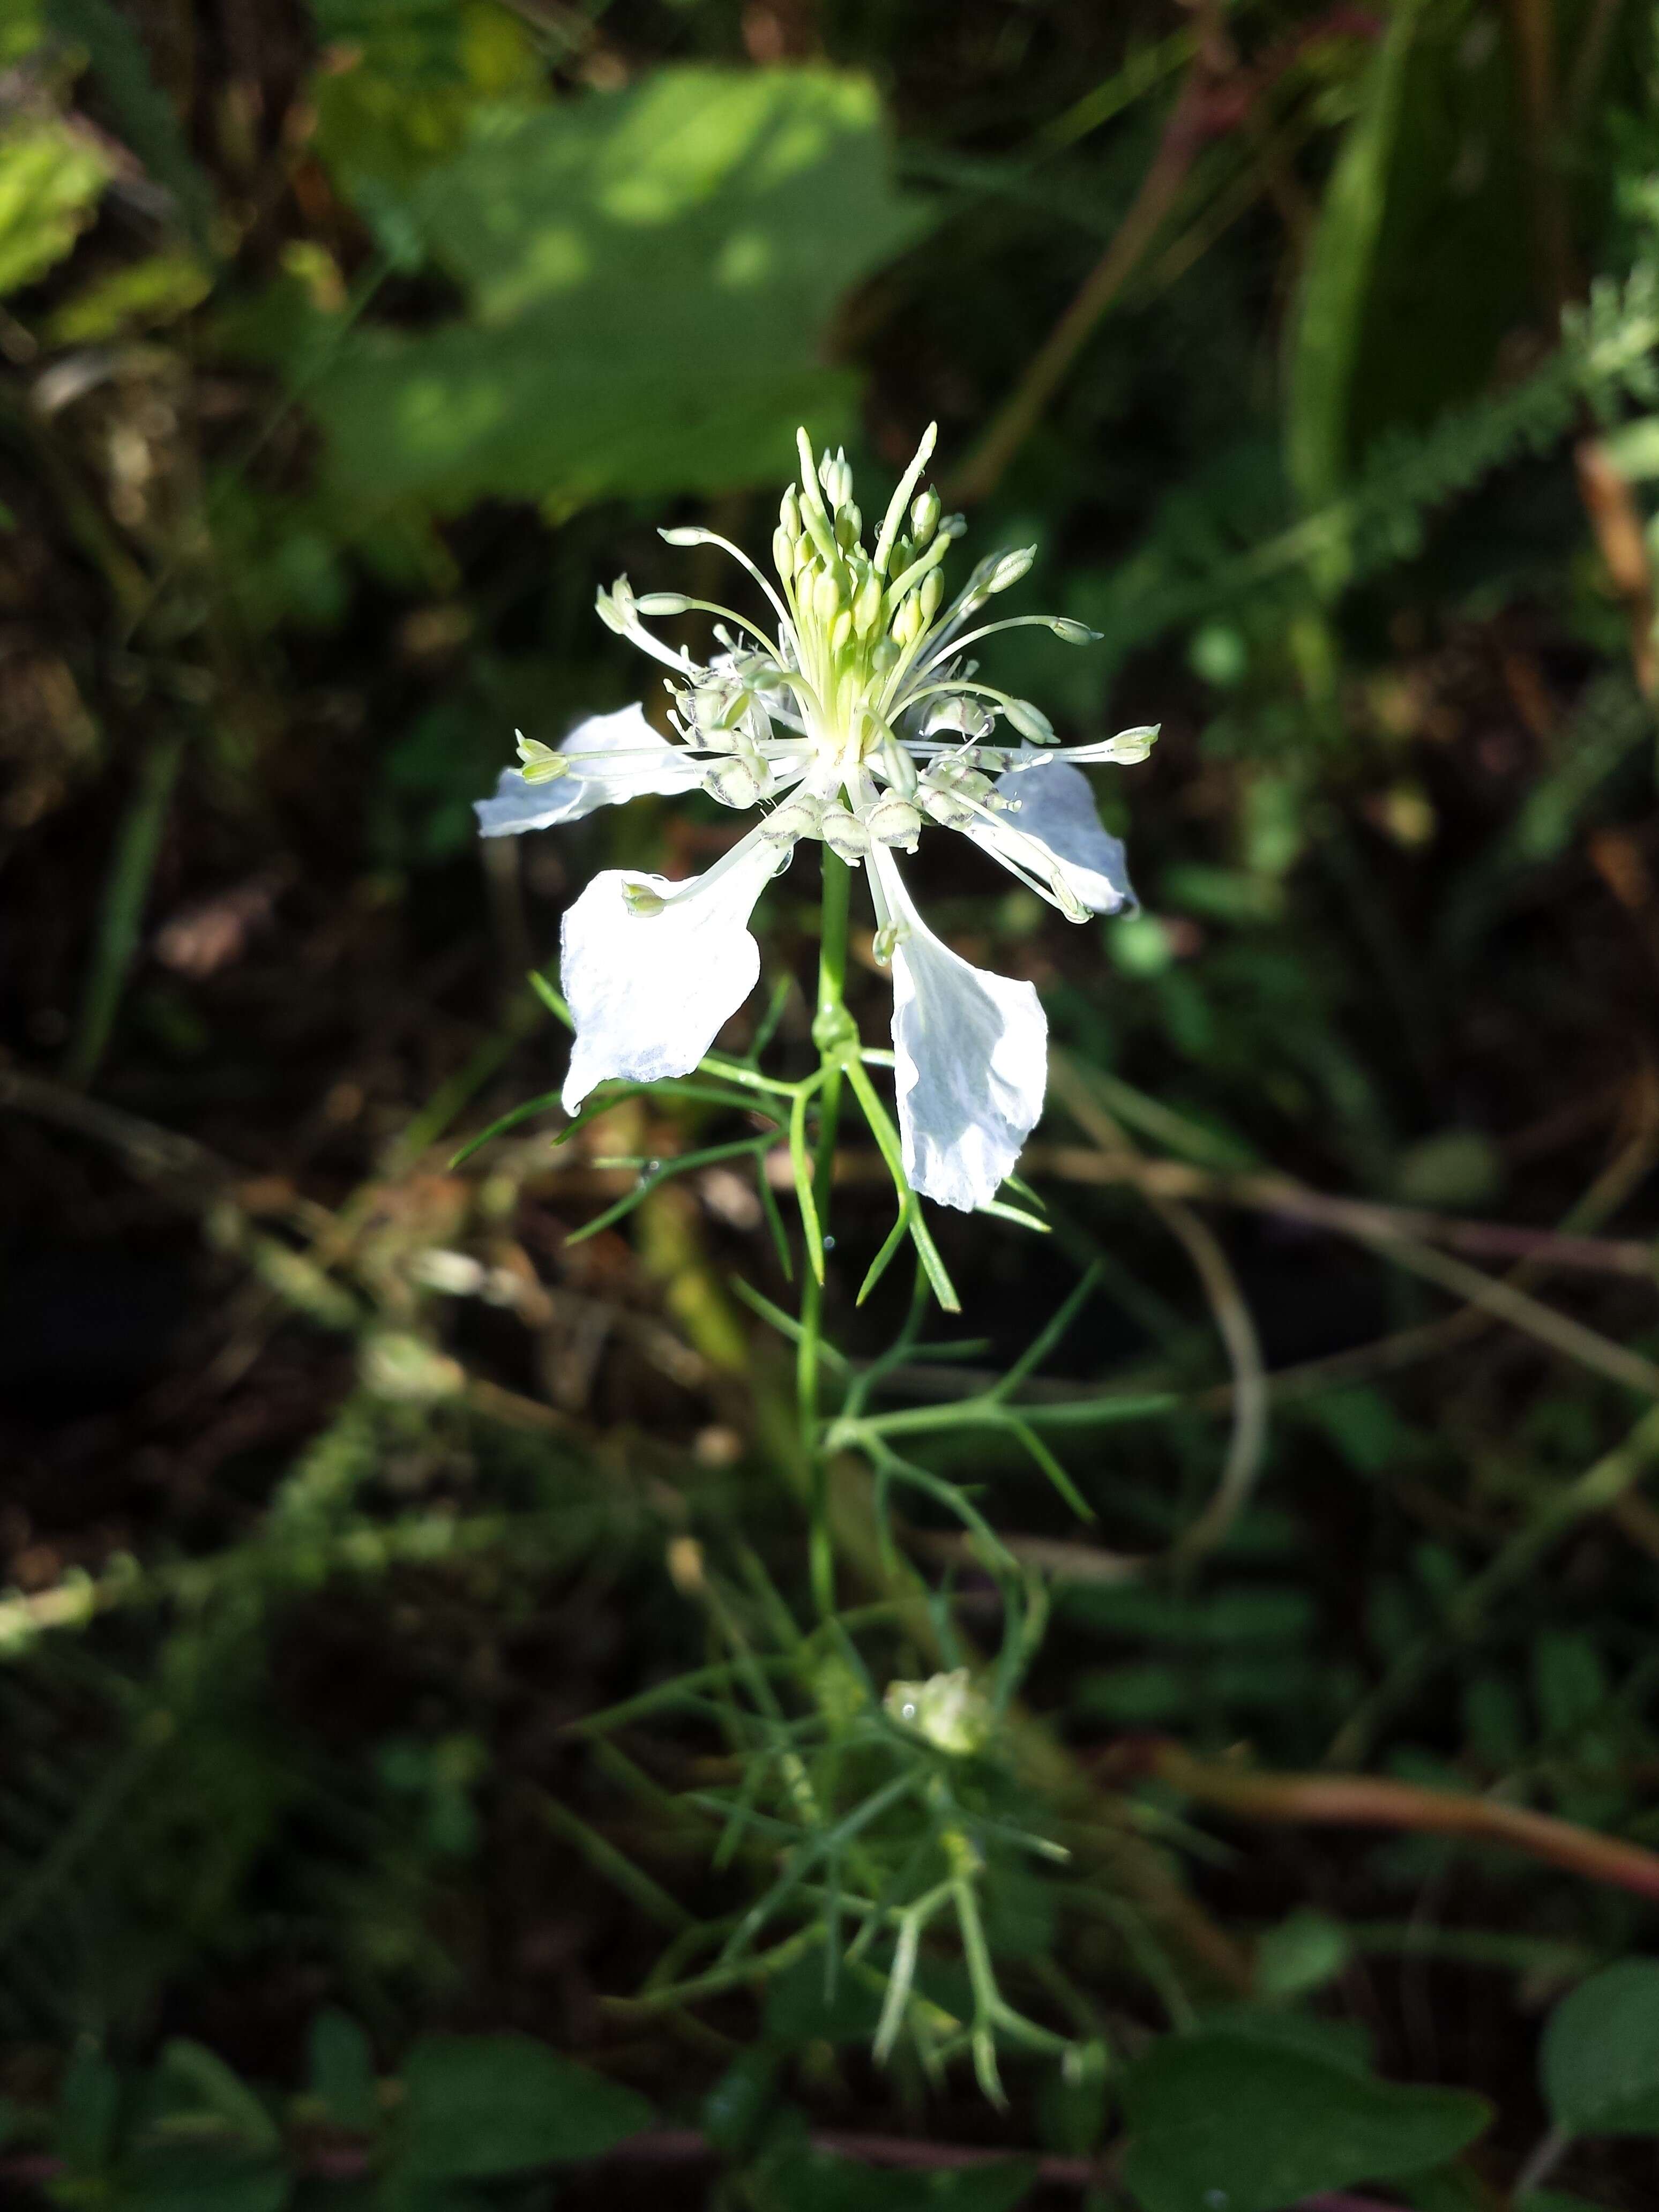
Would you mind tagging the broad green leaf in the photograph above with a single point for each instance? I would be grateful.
(1425, 225)
(88, 2103)
(1598, 2060)
(1326, 334)
(816, 2181)
(51, 178)
(1306, 1950)
(480, 2104)
(342, 2071)
(201, 2181)
(193, 2083)
(650, 275)
(1219, 2123)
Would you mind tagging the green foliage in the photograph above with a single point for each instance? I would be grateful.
(143, 114)
(51, 180)
(1225, 2119)
(805, 2180)
(1599, 2060)
(141, 296)
(475, 2106)
(649, 275)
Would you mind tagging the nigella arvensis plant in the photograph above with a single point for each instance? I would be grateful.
(859, 722)
(856, 718)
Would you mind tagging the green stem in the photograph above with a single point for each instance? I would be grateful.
(832, 1029)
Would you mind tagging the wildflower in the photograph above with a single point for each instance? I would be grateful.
(859, 722)
(946, 1710)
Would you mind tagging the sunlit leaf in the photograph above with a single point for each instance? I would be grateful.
(650, 275)
(51, 178)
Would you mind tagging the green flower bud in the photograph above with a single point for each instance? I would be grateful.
(643, 900)
(1073, 633)
(897, 765)
(1009, 568)
(947, 1711)
(665, 603)
(932, 593)
(826, 595)
(615, 607)
(789, 514)
(850, 525)
(1130, 746)
(924, 517)
(539, 763)
(783, 552)
(866, 605)
(1031, 721)
(909, 622)
(841, 630)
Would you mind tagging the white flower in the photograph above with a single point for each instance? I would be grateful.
(946, 1709)
(857, 721)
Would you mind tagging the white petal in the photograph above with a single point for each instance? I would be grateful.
(1056, 831)
(649, 993)
(971, 1058)
(624, 758)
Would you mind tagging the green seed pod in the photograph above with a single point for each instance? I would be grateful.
(643, 900)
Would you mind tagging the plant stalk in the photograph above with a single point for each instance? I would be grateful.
(832, 1029)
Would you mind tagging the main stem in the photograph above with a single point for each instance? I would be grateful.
(831, 1028)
